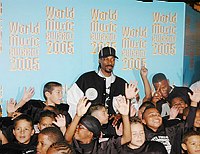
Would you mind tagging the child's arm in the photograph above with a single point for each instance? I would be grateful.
(81, 109)
(147, 87)
(28, 94)
(195, 98)
(123, 107)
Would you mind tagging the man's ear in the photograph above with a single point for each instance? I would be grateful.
(184, 146)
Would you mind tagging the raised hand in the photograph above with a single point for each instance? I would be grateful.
(60, 121)
(131, 90)
(122, 105)
(195, 97)
(82, 106)
(143, 71)
(28, 94)
(11, 106)
(173, 112)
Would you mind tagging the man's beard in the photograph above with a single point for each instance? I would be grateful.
(109, 70)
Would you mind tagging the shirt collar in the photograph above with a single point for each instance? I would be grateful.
(103, 76)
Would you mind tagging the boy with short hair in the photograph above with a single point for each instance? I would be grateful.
(24, 139)
(101, 113)
(50, 119)
(52, 93)
(60, 148)
(191, 142)
(47, 137)
(46, 119)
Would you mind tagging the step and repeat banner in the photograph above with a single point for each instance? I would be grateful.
(58, 40)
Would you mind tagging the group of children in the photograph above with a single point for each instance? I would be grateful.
(34, 126)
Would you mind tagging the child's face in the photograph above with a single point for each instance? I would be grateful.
(101, 115)
(82, 133)
(180, 103)
(197, 119)
(43, 144)
(152, 118)
(55, 97)
(192, 145)
(23, 131)
(45, 122)
(138, 135)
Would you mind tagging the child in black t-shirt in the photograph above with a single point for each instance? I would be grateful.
(25, 141)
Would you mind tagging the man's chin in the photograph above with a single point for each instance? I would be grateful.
(109, 70)
(164, 95)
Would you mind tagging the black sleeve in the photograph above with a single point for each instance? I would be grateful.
(191, 117)
(33, 108)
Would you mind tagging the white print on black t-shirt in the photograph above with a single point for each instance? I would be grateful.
(165, 110)
(165, 141)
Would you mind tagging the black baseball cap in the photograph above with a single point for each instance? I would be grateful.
(107, 51)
